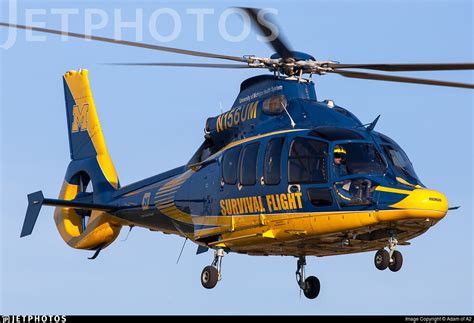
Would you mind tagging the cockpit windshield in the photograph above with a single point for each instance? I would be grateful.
(399, 160)
(357, 158)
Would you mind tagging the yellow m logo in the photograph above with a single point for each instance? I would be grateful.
(79, 118)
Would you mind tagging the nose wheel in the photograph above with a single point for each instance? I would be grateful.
(211, 275)
(311, 285)
(391, 259)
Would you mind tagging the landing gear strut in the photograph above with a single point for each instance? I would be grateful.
(392, 259)
(212, 274)
(310, 286)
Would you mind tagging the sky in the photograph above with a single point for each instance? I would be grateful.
(153, 120)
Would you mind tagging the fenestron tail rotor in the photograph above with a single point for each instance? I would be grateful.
(284, 62)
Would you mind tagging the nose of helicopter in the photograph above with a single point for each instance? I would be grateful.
(423, 203)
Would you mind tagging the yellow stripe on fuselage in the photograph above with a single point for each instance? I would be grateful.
(284, 225)
(419, 204)
(392, 190)
(238, 142)
(403, 181)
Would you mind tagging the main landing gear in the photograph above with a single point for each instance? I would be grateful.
(212, 274)
(392, 259)
(310, 286)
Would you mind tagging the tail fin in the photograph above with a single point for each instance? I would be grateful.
(84, 219)
(91, 163)
(86, 140)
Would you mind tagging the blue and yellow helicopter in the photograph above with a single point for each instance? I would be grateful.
(280, 173)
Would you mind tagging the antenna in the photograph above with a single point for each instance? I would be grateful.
(220, 104)
(293, 124)
(128, 233)
(372, 124)
(179, 257)
(98, 250)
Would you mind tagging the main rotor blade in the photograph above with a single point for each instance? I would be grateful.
(278, 44)
(401, 79)
(127, 43)
(183, 65)
(408, 67)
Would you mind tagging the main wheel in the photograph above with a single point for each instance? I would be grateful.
(382, 259)
(312, 287)
(397, 261)
(209, 277)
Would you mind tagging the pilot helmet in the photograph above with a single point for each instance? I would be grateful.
(339, 152)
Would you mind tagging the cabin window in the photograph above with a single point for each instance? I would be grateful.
(320, 197)
(272, 166)
(307, 162)
(248, 165)
(229, 165)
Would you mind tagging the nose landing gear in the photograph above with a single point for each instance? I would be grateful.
(392, 259)
(310, 286)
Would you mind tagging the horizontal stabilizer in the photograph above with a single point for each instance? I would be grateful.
(36, 200)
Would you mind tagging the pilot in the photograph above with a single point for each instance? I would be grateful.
(339, 163)
(339, 166)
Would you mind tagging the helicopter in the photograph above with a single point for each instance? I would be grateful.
(263, 181)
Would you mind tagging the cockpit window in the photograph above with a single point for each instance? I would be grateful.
(399, 160)
(307, 162)
(357, 158)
